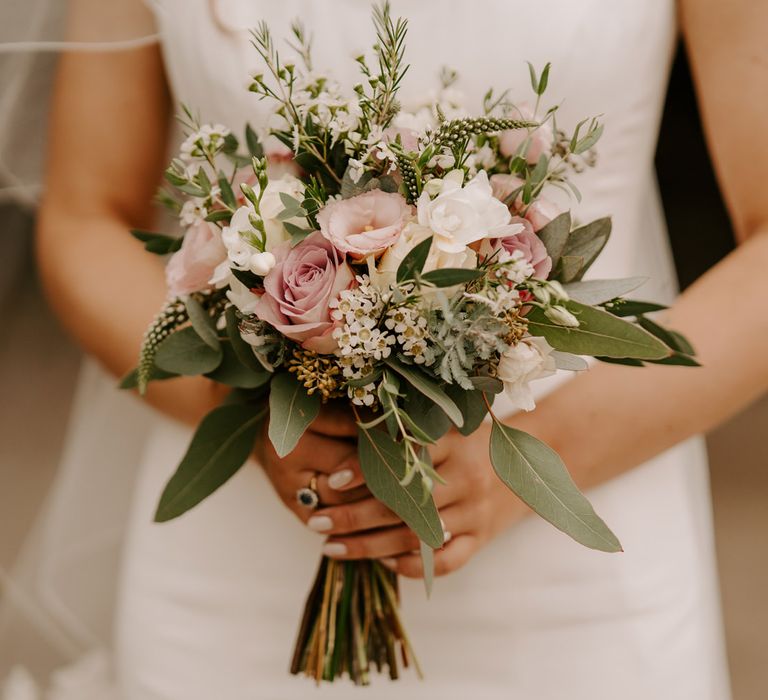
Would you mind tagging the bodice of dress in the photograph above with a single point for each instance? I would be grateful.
(608, 58)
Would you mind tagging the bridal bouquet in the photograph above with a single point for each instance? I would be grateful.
(410, 264)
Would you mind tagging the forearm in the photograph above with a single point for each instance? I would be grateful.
(106, 289)
(613, 418)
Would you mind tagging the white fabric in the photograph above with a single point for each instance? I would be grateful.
(209, 604)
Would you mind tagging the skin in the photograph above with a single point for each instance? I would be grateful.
(101, 179)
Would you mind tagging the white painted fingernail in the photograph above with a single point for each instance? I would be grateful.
(340, 478)
(334, 549)
(389, 562)
(442, 522)
(320, 523)
(447, 537)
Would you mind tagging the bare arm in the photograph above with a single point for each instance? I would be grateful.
(108, 135)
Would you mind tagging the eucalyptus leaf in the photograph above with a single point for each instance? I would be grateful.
(450, 276)
(185, 352)
(629, 307)
(555, 235)
(677, 358)
(488, 385)
(158, 243)
(291, 410)
(599, 334)
(628, 361)
(131, 380)
(472, 406)
(383, 465)
(249, 279)
(429, 417)
(672, 338)
(585, 243)
(234, 373)
(535, 472)
(298, 234)
(220, 446)
(600, 291)
(429, 387)
(569, 361)
(413, 263)
(202, 322)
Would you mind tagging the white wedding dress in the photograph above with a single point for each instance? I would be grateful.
(209, 604)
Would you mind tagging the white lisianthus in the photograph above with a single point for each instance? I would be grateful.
(530, 359)
(410, 237)
(462, 214)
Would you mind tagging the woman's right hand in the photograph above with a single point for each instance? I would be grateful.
(328, 451)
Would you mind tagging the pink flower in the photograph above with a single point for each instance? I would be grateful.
(531, 246)
(409, 138)
(539, 139)
(299, 288)
(539, 212)
(366, 224)
(191, 267)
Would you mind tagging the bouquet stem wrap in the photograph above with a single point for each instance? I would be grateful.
(351, 623)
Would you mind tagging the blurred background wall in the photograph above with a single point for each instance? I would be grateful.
(39, 364)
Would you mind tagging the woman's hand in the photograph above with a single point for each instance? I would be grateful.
(474, 506)
(327, 451)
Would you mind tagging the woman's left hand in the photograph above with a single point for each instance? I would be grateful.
(474, 506)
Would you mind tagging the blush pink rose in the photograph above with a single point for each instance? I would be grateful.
(364, 225)
(299, 288)
(539, 139)
(539, 212)
(191, 267)
(534, 251)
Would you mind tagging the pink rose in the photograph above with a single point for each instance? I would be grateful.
(539, 212)
(539, 139)
(534, 251)
(366, 224)
(191, 267)
(299, 288)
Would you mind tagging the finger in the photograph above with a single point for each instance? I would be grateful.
(318, 454)
(333, 497)
(441, 450)
(388, 542)
(335, 420)
(348, 475)
(447, 560)
(353, 517)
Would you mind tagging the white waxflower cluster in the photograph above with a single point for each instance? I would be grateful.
(412, 333)
(204, 143)
(359, 339)
(500, 298)
(514, 267)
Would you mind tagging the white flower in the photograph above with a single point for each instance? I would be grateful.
(192, 212)
(411, 236)
(242, 297)
(561, 316)
(261, 263)
(461, 214)
(271, 205)
(240, 250)
(522, 363)
(207, 141)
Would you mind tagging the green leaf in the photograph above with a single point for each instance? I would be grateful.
(291, 410)
(677, 358)
(428, 564)
(158, 243)
(234, 373)
(599, 334)
(426, 414)
(592, 137)
(599, 291)
(247, 277)
(472, 406)
(584, 245)
(554, 236)
(542, 86)
(449, 276)
(488, 385)
(628, 307)
(672, 338)
(429, 387)
(226, 193)
(185, 352)
(535, 472)
(218, 215)
(413, 263)
(628, 361)
(202, 322)
(534, 78)
(298, 234)
(252, 142)
(243, 351)
(131, 380)
(220, 446)
(383, 465)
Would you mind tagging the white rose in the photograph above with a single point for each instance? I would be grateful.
(462, 214)
(409, 238)
(522, 363)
